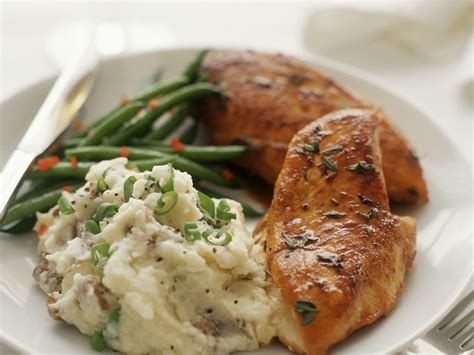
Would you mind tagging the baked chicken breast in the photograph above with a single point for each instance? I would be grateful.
(272, 96)
(336, 253)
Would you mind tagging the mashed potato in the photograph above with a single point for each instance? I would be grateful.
(167, 272)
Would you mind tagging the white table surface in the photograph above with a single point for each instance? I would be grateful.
(444, 90)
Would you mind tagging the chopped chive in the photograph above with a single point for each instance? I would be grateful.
(213, 237)
(128, 187)
(65, 206)
(92, 226)
(101, 184)
(191, 232)
(169, 183)
(224, 212)
(313, 147)
(114, 316)
(105, 210)
(166, 202)
(100, 253)
(307, 310)
(97, 341)
(206, 204)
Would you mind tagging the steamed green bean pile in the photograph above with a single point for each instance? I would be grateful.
(139, 129)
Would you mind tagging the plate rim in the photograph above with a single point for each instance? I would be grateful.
(314, 60)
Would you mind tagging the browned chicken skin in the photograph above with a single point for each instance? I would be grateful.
(332, 244)
(272, 96)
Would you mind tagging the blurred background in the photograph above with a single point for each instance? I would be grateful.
(422, 49)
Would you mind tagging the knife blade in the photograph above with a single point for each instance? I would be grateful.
(58, 110)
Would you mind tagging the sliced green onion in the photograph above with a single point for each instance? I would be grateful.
(105, 210)
(220, 239)
(65, 206)
(114, 316)
(101, 184)
(97, 341)
(206, 204)
(100, 253)
(128, 187)
(223, 211)
(92, 226)
(166, 202)
(169, 183)
(191, 232)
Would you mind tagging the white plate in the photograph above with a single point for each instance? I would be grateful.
(444, 247)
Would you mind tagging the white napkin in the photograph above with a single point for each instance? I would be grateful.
(437, 29)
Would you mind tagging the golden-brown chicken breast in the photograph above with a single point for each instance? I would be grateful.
(271, 97)
(335, 252)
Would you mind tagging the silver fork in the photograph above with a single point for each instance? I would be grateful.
(455, 333)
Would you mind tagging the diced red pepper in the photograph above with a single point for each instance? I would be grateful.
(124, 101)
(176, 145)
(67, 188)
(46, 163)
(42, 228)
(227, 174)
(78, 126)
(153, 104)
(124, 152)
(73, 162)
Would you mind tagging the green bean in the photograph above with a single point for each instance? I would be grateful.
(201, 153)
(111, 123)
(22, 226)
(62, 170)
(96, 153)
(148, 164)
(249, 211)
(189, 135)
(168, 124)
(192, 69)
(140, 125)
(29, 207)
(70, 142)
(44, 186)
(202, 172)
(153, 91)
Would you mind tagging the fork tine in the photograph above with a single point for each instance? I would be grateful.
(455, 312)
(465, 343)
(457, 328)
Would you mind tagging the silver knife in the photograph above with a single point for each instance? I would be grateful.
(64, 100)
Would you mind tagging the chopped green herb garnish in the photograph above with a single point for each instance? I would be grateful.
(224, 212)
(330, 259)
(361, 167)
(97, 341)
(166, 202)
(329, 163)
(105, 210)
(307, 310)
(334, 214)
(366, 200)
(100, 253)
(332, 149)
(92, 226)
(101, 185)
(206, 205)
(297, 78)
(128, 187)
(299, 240)
(313, 147)
(65, 206)
(114, 316)
(169, 183)
(191, 232)
(214, 237)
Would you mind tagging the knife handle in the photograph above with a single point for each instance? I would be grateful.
(11, 176)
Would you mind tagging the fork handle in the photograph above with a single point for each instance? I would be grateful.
(11, 177)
